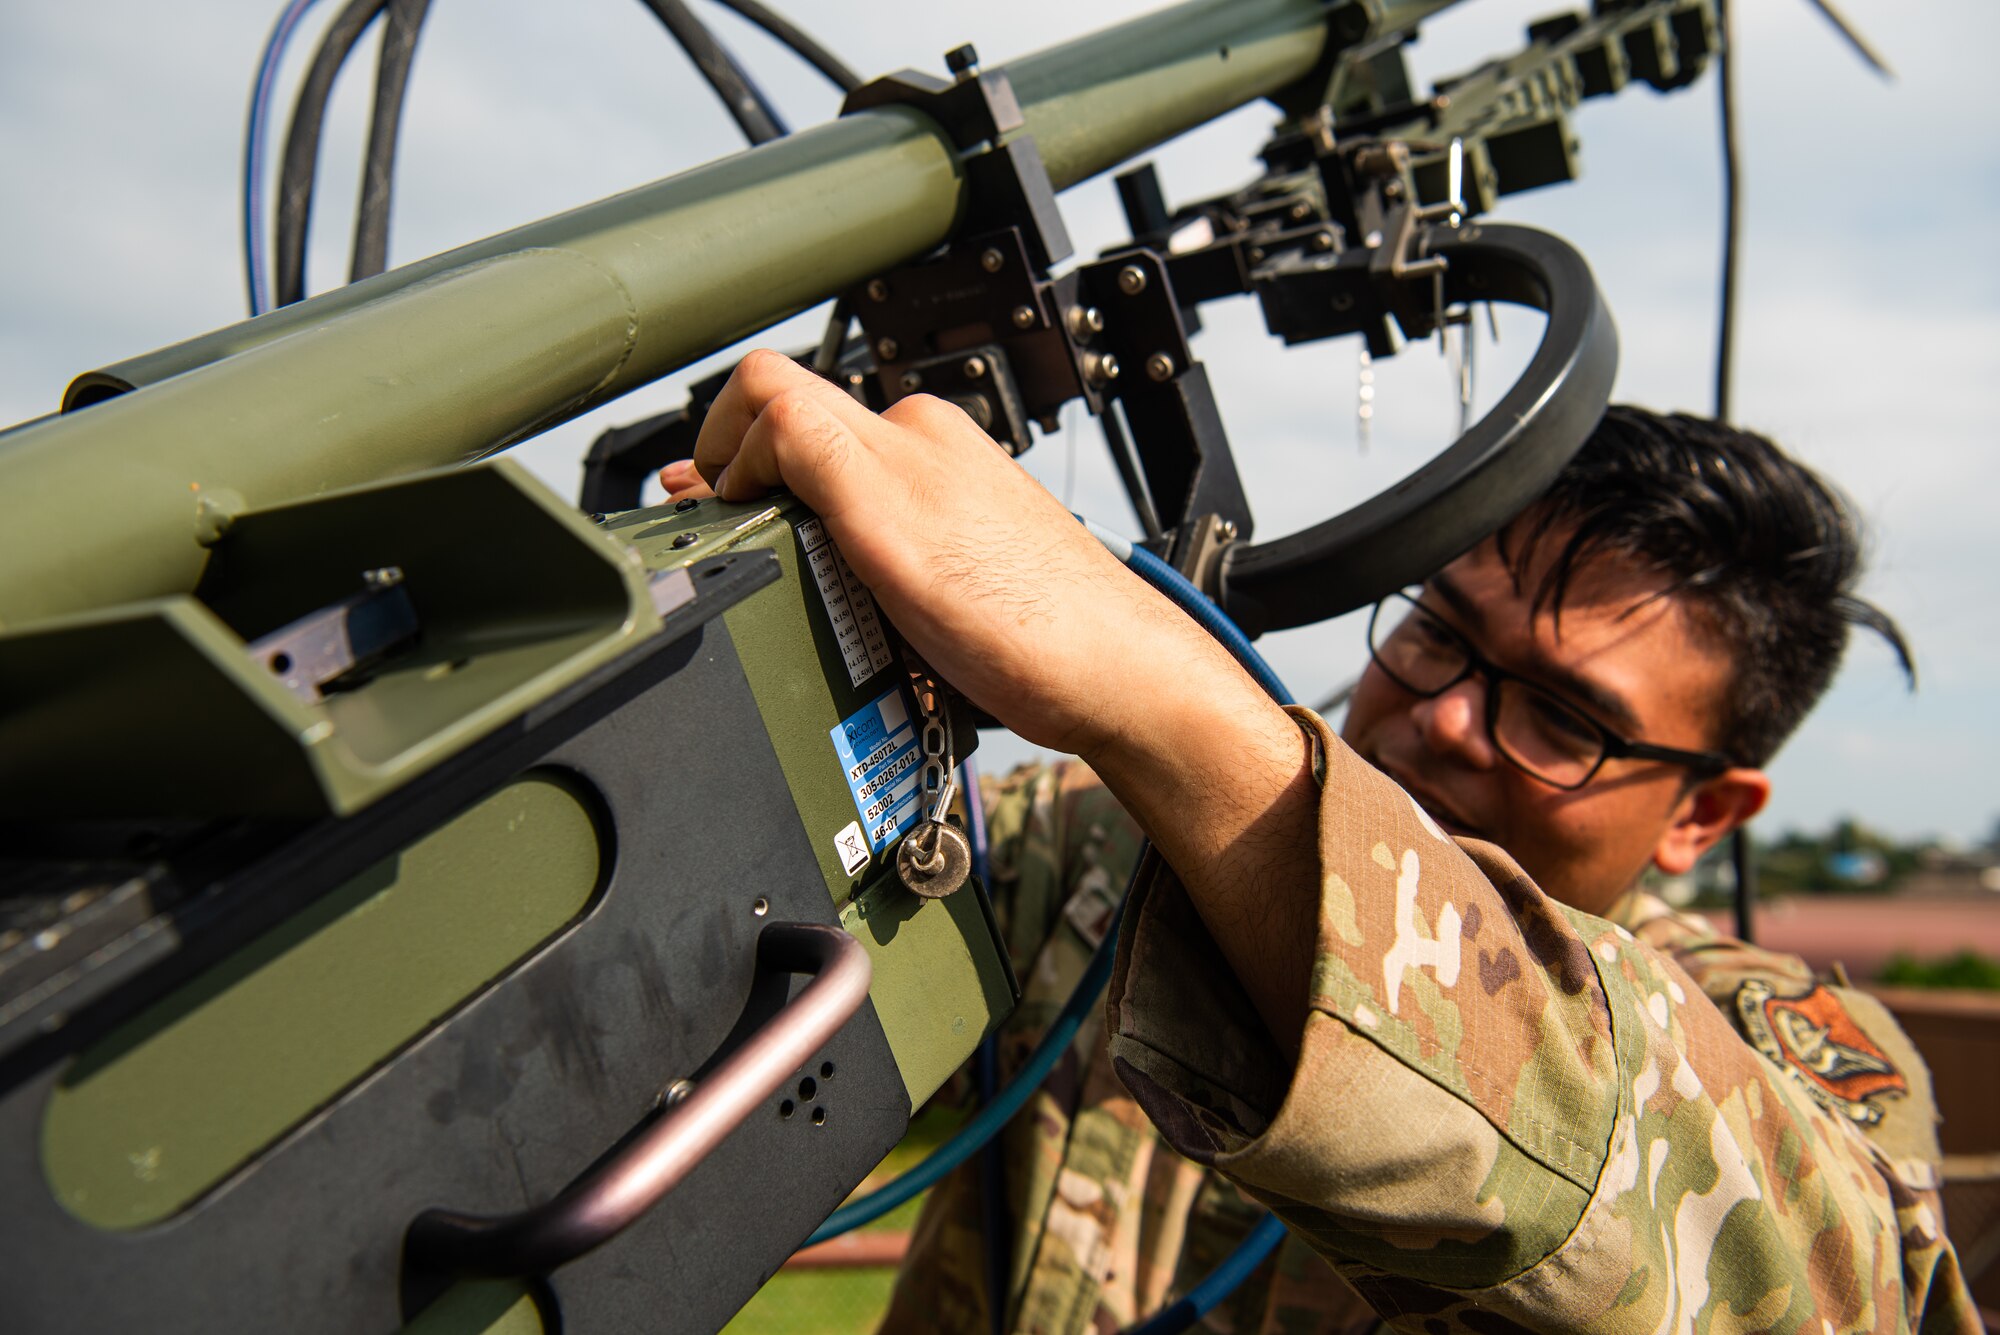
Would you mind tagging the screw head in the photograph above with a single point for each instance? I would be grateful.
(1131, 280)
(1085, 321)
(675, 1093)
(877, 290)
(685, 504)
(1160, 366)
(962, 60)
(974, 367)
(911, 382)
(1100, 367)
(886, 349)
(1343, 301)
(1301, 211)
(1024, 317)
(1226, 529)
(991, 260)
(1392, 190)
(685, 540)
(1322, 240)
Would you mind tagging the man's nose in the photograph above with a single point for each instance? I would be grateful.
(1453, 724)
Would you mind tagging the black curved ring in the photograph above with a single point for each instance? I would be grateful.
(1405, 533)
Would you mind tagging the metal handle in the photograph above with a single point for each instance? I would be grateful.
(614, 1193)
(1404, 534)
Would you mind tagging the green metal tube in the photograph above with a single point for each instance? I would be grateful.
(452, 357)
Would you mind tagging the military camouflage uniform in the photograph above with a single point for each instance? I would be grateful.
(1507, 1114)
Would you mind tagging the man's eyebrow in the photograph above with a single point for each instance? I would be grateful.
(1608, 705)
(1457, 599)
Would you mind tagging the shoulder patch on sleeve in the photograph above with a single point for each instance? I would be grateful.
(1812, 1036)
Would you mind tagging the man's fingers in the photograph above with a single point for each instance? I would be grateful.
(796, 442)
(683, 482)
(759, 378)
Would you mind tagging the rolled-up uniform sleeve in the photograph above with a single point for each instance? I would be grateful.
(1506, 1113)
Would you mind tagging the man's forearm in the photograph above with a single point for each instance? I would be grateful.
(1221, 779)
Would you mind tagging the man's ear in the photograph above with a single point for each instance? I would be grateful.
(1708, 811)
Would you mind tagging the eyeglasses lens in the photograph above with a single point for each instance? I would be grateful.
(1419, 651)
(1534, 730)
(1543, 736)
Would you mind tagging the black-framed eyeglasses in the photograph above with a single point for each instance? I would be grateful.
(1536, 730)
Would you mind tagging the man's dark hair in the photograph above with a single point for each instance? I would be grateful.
(1761, 551)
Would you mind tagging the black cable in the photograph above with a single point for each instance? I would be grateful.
(755, 116)
(1732, 212)
(802, 45)
(1740, 853)
(378, 169)
(301, 161)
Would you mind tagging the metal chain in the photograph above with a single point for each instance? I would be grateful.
(939, 778)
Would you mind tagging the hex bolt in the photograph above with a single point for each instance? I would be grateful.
(974, 367)
(877, 290)
(1024, 317)
(1100, 367)
(911, 382)
(1160, 366)
(977, 408)
(1085, 321)
(962, 60)
(1131, 280)
(991, 260)
(685, 540)
(886, 349)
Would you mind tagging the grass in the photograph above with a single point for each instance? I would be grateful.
(1967, 969)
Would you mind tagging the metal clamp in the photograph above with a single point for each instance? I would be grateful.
(613, 1194)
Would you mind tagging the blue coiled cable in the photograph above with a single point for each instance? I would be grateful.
(986, 1123)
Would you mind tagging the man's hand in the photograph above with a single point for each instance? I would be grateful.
(1013, 602)
(987, 576)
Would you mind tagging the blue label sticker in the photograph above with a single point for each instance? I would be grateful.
(880, 757)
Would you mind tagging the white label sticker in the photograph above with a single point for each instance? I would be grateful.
(853, 847)
(850, 608)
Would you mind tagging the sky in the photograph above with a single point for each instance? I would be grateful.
(1869, 333)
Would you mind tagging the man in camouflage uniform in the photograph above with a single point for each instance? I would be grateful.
(1487, 1108)
(1106, 1226)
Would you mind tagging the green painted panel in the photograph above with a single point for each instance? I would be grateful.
(939, 984)
(166, 1106)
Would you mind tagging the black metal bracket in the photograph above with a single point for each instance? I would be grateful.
(981, 117)
(981, 322)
